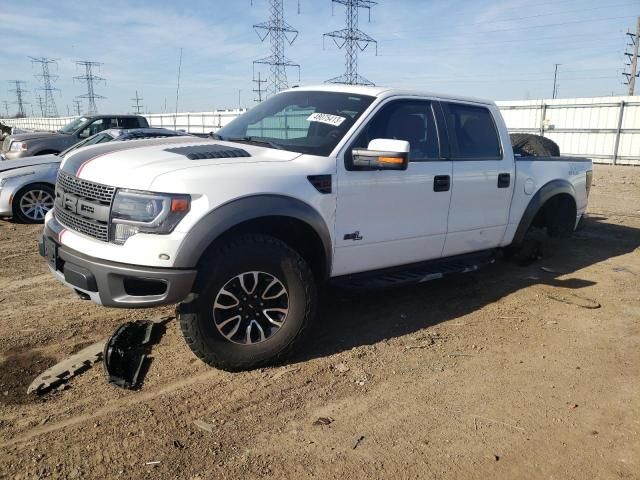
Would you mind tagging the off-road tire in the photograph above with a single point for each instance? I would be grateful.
(18, 214)
(248, 253)
(530, 145)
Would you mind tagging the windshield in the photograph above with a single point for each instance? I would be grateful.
(304, 121)
(73, 125)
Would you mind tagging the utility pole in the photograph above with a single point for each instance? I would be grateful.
(259, 90)
(633, 59)
(278, 31)
(353, 40)
(19, 91)
(90, 78)
(555, 79)
(76, 107)
(41, 104)
(175, 118)
(50, 109)
(138, 106)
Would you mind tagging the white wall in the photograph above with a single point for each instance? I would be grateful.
(606, 129)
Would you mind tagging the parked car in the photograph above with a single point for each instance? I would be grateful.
(359, 186)
(27, 185)
(21, 145)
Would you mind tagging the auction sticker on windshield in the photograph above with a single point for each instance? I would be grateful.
(327, 118)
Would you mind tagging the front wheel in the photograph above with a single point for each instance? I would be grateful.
(254, 299)
(31, 203)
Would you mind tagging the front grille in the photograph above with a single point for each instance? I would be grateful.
(82, 225)
(70, 192)
(88, 190)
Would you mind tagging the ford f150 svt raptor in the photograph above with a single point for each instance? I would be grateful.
(364, 186)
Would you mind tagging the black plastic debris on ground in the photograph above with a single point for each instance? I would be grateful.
(126, 353)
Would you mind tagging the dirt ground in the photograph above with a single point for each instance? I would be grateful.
(510, 372)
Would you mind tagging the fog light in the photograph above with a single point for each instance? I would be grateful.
(122, 232)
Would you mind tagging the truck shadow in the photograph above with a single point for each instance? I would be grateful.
(349, 319)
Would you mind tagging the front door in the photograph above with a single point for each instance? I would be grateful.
(388, 218)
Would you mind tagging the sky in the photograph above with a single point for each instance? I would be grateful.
(499, 49)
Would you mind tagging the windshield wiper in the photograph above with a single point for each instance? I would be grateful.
(256, 140)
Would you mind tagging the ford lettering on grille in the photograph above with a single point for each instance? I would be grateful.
(83, 206)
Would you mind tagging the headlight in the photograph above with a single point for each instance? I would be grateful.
(6, 178)
(18, 147)
(143, 212)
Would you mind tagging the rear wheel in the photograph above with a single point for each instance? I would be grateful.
(254, 299)
(31, 203)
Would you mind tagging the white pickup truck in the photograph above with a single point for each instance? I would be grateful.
(362, 186)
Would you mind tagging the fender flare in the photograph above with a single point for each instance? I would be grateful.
(238, 211)
(544, 193)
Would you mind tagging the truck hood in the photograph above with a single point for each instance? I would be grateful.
(24, 137)
(29, 162)
(129, 165)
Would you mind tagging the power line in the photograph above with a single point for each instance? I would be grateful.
(90, 78)
(278, 31)
(353, 40)
(19, 91)
(521, 27)
(49, 104)
(527, 17)
(633, 59)
(138, 106)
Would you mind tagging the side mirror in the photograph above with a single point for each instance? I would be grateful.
(382, 154)
(83, 134)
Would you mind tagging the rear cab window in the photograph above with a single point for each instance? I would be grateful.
(472, 132)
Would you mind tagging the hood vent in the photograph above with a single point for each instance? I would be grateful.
(204, 152)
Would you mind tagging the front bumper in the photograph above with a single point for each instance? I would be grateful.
(115, 284)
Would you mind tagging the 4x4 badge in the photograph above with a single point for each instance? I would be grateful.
(353, 236)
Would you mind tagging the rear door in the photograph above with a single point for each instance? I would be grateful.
(388, 218)
(483, 178)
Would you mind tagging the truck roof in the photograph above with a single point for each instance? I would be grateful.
(382, 91)
(110, 115)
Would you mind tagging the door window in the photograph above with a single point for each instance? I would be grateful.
(472, 132)
(409, 120)
(97, 126)
(128, 122)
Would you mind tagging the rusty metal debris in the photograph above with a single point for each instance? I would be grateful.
(70, 367)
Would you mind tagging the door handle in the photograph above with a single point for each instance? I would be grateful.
(441, 183)
(504, 180)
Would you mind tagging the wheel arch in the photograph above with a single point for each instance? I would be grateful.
(547, 192)
(286, 218)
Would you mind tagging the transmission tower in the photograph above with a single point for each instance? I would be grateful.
(50, 109)
(19, 97)
(138, 106)
(90, 78)
(5, 104)
(76, 107)
(279, 32)
(259, 89)
(633, 73)
(352, 40)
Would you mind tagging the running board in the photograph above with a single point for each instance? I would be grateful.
(416, 273)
